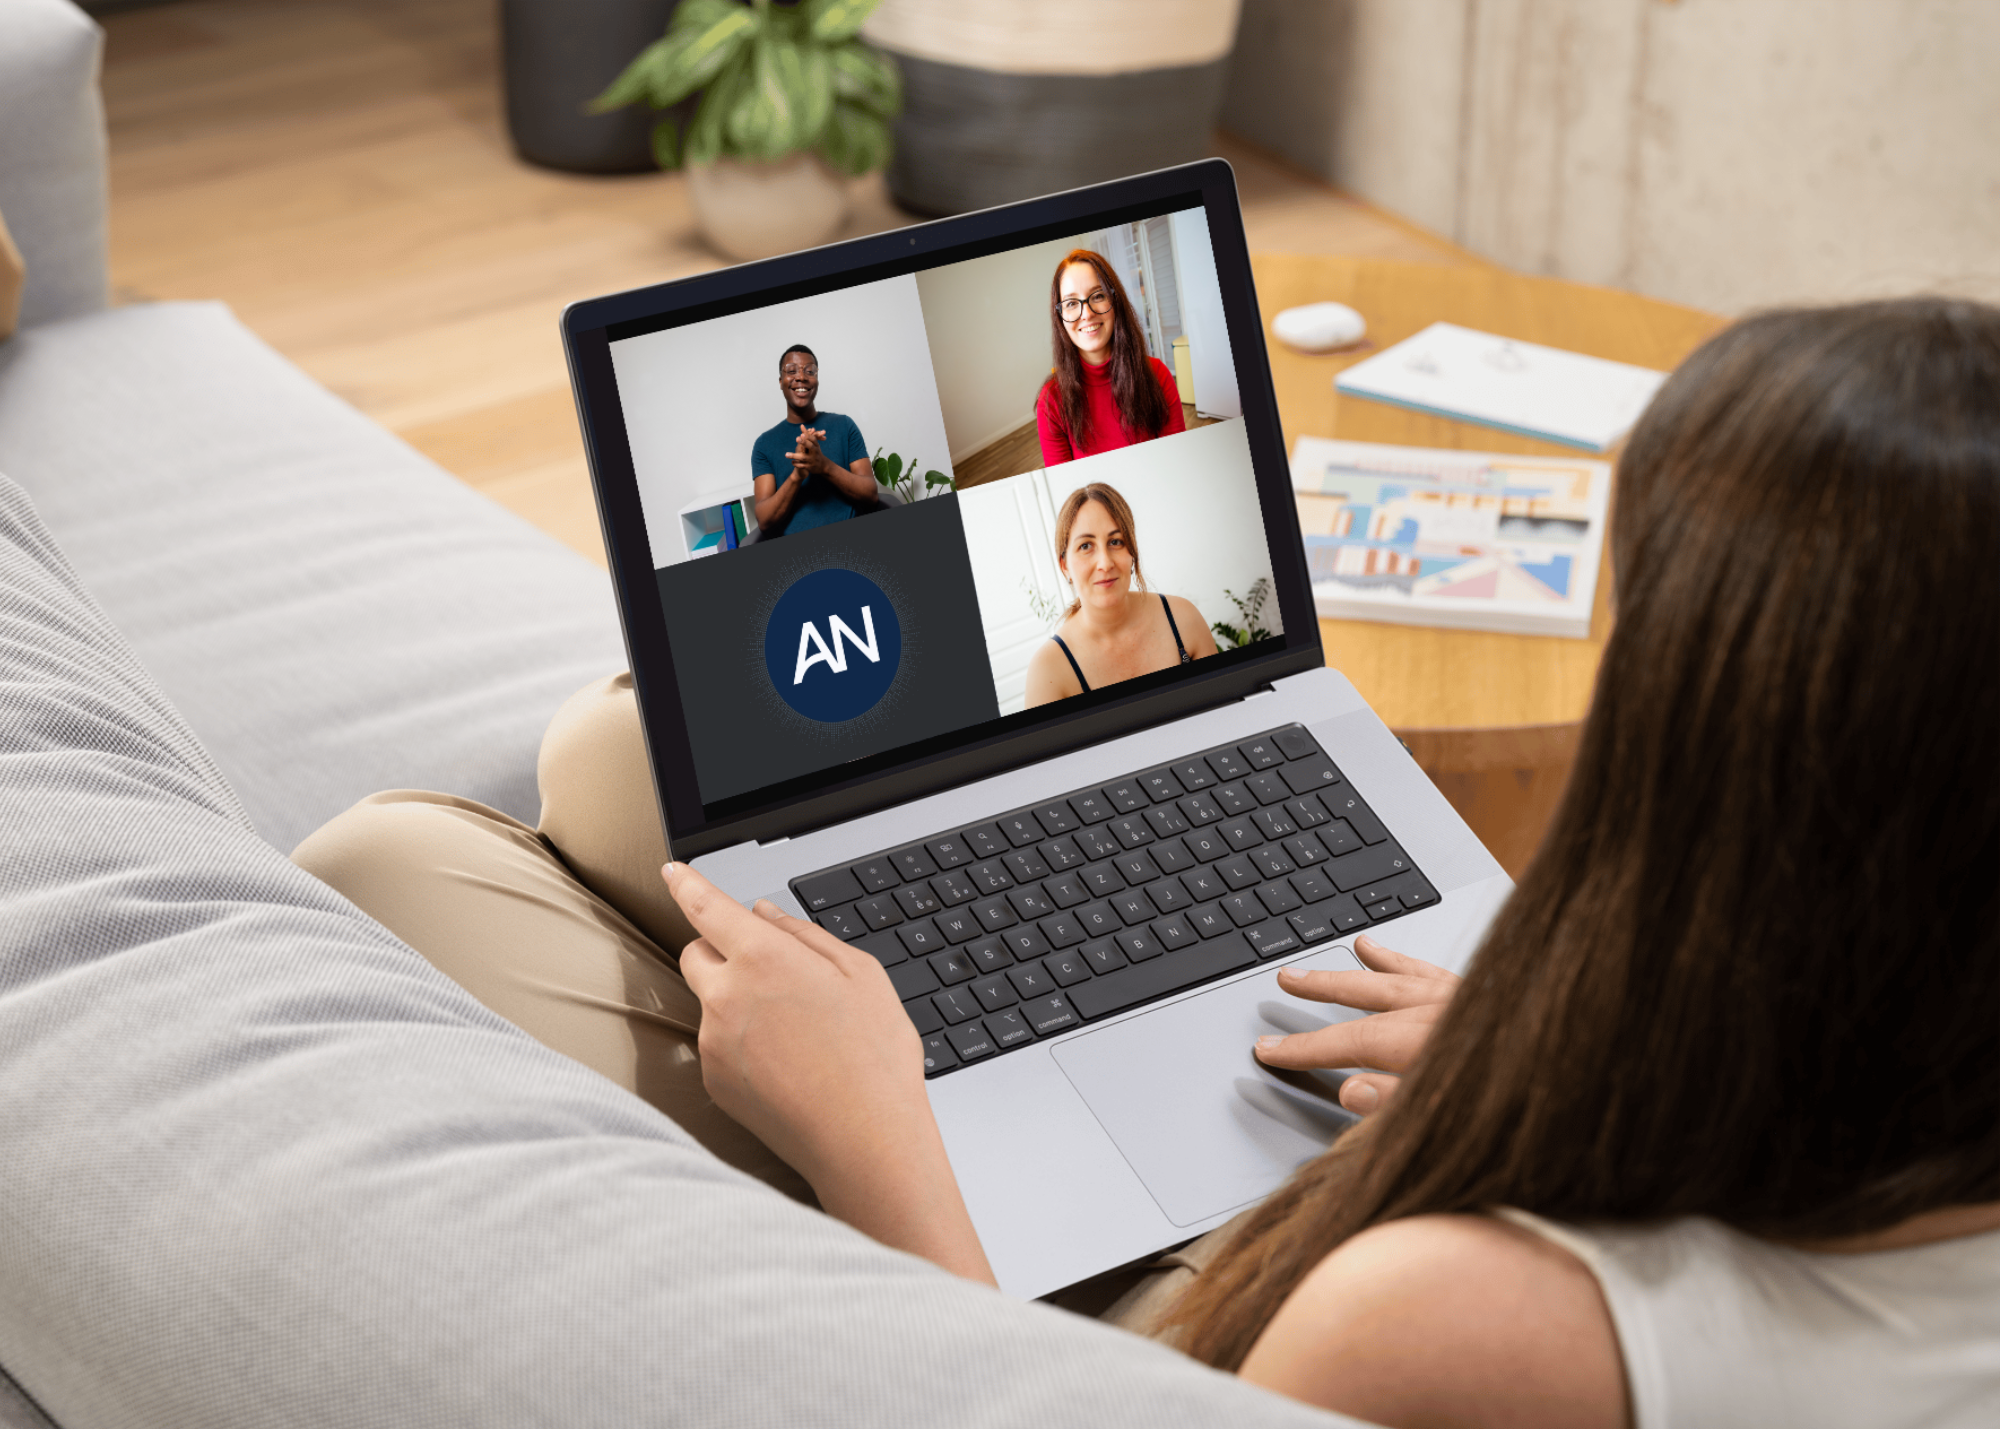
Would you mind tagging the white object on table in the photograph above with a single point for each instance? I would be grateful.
(1522, 387)
(1319, 327)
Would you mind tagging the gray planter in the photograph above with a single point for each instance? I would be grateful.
(556, 56)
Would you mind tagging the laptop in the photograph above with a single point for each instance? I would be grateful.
(831, 487)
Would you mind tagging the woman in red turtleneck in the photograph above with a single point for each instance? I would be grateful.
(1105, 391)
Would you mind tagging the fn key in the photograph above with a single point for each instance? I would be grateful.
(938, 1055)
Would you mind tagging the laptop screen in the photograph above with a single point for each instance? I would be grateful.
(890, 515)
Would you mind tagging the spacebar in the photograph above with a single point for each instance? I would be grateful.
(1170, 972)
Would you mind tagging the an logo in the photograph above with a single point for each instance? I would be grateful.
(832, 645)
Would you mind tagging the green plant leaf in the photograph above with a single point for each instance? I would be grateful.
(856, 141)
(666, 143)
(892, 464)
(638, 79)
(831, 21)
(867, 77)
(703, 54)
(935, 479)
(759, 123)
(705, 134)
(815, 95)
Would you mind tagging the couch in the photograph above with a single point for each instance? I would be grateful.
(259, 1162)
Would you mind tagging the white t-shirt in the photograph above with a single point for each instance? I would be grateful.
(1718, 1328)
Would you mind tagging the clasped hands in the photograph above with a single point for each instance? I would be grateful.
(806, 457)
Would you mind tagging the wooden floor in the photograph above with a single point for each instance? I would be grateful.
(338, 171)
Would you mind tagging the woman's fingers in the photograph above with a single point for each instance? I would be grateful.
(1371, 992)
(1366, 1093)
(726, 925)
(1389, 1040)
(811, 934)
(1387, 960)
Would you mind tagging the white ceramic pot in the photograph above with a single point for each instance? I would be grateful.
(752, 210)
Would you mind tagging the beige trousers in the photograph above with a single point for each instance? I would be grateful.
(568, 932)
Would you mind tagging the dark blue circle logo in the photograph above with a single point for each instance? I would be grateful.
(832, 645)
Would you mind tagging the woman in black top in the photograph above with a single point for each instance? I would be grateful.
(1115, 629)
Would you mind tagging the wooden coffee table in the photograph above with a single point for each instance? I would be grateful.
(1492, 718)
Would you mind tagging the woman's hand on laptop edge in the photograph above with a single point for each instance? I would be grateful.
(804, 1042)
(1407, 996)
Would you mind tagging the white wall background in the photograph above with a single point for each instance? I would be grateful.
(1730, 154)
(1215, 393)
(697, 397)
(1201, 531)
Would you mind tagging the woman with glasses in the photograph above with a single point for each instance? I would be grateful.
(1105, 391)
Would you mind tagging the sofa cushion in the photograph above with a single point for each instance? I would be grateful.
(332, 612)
(264, 1165)
(52, 155)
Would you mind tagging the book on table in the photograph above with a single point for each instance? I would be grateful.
(1466, 540)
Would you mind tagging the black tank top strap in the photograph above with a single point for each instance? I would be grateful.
(1064, 647)
(1185, 657)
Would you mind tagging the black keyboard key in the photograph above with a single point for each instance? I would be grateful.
(995, 992)
(954, 888)
(1050, 1014)
(876, 874)
(1171, 855)
(1169, 896)
(842, 923)
(971, 1041)
(1097, 843)
(1272, 860)
(1228, 764)
(990, 876)
(987, 841)
(1385, 888)
(1096, 919)
(1211, 920)
(1066, 890)
(1062, 853)
(955, 966)
(994, 914)
(1268, 788)
(1200, 809)
(1313, 925)
(913, 979)
(1068, 969)
(922, 938)
(1260, 753)
(958, 925)
(1207, 845)
(938, 1055)
(916, 899)
(1239, 872)
(1417, 897)
(1174, 932)
(1308, 811)
(1026, 865)
(1063, 930)
(1162, 785)
(1136, 868)
(1009, 1029)
(1194, 774)
(1387, 908)
(1345, 913)
(949, 851)
(1370, 865)
(1127, 796)
(989, 954)
(1273, 939)
(1031, 980)
(1307, 775)
(1203, 884)
(957, 1004)
(1349, 807)
(1274, 822)
(1142, 982)
(1339, 837)
(927, 1018)
(1055, 818)
(1313, 886)
(1132, 830)
(1021, 830)
(886, 948)
(1244, 909)
(1026, 942)
(1031, 903)
(825, 890)
(1277, 897)
(1165, 820)
(1241, 833)
(1234, 799)
(1103, 878)
(1139, 944)
(879, 912)
(1306, 849)
(1295, 742)
(1135, 907)
(913, 863)
(1102, 954)
(1091, 807)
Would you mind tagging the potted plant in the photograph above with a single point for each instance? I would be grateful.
(892, 473)
(787, 102)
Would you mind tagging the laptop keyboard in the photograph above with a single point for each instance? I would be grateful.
(1077, 908)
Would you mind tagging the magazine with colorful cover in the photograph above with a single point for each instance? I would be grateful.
(1468, 540)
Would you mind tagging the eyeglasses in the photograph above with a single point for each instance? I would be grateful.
(1072, 308)
(791, 371)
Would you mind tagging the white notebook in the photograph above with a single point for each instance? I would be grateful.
(1521, 387)
(1468, 540)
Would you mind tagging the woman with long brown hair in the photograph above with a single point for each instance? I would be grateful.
(1115, 629)
(1105, 392)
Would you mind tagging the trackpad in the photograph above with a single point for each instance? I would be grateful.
(1205, 1127)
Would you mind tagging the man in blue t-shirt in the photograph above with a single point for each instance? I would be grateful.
(812, 469)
